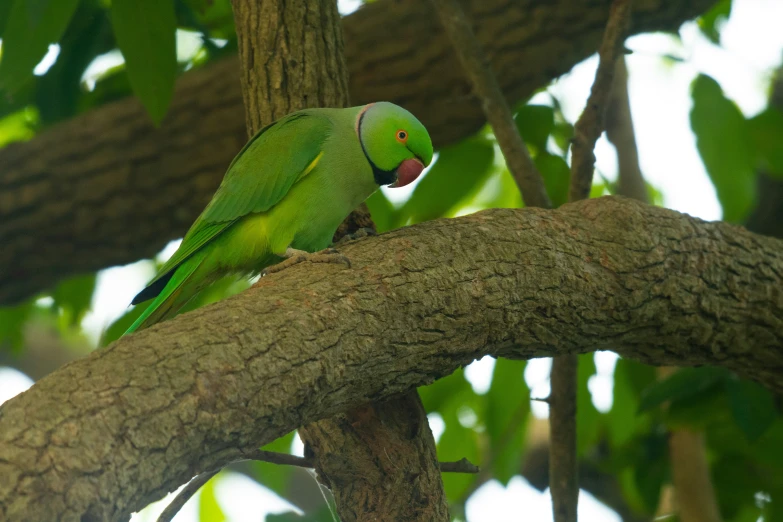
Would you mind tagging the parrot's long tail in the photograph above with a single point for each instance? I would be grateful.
(182, 286)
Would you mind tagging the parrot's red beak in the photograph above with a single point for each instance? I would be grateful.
(407, 172)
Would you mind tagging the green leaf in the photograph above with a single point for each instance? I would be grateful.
(683, 383)
(145, 33)
(652, 468)
(58, 92)
(710, 22)
(273, 476)
(74, 296)
(562, 133)
(736, 482)
(208, 507)
(12, 321)
(556, 174)
(724, 145)
(448, 396)
(766, 132)
(381, 210)
(753, 407)
(507, 406)
(587, 417)
(30, 28)
(458, 171)
(629, 379)
(535, 124)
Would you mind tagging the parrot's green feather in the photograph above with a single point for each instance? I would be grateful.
(255, 183)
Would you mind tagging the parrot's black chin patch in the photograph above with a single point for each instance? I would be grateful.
(383, 177)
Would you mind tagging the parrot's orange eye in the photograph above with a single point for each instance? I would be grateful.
(402, 136)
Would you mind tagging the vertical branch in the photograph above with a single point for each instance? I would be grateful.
(619, 131)
(496, 109)
(563, 466)
(591, 123)
(379, 460)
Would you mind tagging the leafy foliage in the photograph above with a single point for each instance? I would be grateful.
(28, 31)
(722, 140)
(628, 443)
(145, 34)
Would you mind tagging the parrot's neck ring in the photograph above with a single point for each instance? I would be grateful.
(382, 177)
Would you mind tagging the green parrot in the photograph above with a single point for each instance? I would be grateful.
(285, 194)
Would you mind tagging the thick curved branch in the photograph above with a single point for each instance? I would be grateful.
(107, 188)
(105, 435)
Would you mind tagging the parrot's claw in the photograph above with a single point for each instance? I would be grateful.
(294, 257)
(362, 232)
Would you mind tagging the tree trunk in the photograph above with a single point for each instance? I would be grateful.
(291, 56)
(107, 188)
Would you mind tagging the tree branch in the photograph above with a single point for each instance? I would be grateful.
(460, 466)
(620, 133)
(67, 196)
(493, 102)
(110, 433)
(590, 124)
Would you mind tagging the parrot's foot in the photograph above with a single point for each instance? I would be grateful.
(294, 257)
(362, 232)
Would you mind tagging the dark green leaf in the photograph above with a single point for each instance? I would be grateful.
(73, 296)
(145, 33)
(556, 174)
(58, 92)
(535, 124)
(208, 507)
(507, 410)
(12, 321)
(710, 22)
(30, 28)
(652, 469)
(766, 132)
(629, 379)
(683, 383)
(457, 172)
(587, 417)
(752, 405)
(736, 482)
(724, 145)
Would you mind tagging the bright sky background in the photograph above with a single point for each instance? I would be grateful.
(660, 102)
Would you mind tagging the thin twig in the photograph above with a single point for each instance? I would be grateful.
(461, 466)
(591, 123)
(498, 114)
(563, 465)
(183, 496)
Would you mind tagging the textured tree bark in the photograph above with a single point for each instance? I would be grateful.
(107, 188)
(107, 434)
(292, 57)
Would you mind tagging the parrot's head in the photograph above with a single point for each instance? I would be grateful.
(396, 144)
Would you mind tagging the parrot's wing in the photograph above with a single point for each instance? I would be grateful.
(263, 172)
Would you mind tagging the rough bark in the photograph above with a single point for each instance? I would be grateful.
(105, 435)
(106, 188)
(292, 57)
(379, 460)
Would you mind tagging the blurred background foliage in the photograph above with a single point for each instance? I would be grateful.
(61, 58)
